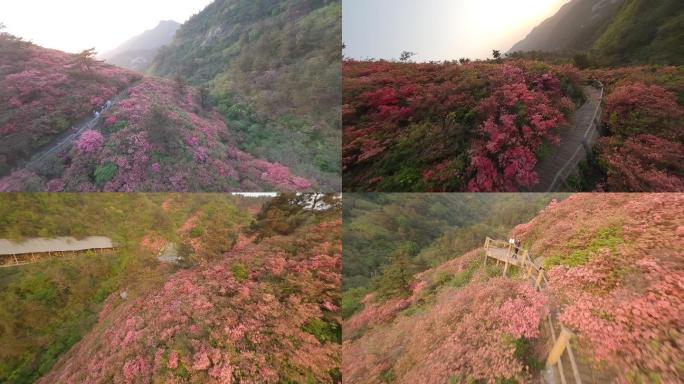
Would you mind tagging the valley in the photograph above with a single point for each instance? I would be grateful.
(246, 299)
(182, 132)
(596, 270)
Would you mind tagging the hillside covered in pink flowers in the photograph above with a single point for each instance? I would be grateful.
(158, 134)
(253, 296)
(615, 267)
(260, 315)
(44, 92)
(485, 126)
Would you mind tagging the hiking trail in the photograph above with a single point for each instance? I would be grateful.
(576, 142)
(563, 365)
(62, 142)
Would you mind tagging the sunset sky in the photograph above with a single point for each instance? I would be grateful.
(439, 29)
(74, 25)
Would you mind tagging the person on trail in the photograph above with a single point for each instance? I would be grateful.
(97, 114)
(517, 245)
(108, 104)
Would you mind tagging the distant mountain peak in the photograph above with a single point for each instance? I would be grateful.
(574, 27)
(137, 52)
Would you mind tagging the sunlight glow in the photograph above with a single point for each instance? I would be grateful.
(439, 29)
(74, 25)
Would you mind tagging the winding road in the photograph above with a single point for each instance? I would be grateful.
(576, 140)
(63, 142)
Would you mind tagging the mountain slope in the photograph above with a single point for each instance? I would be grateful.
(138, 52)
(615, 267)
(613, 31)
(157, 135)
(44, 92)
(46, 307)
(644, 32)
(273, 69)
(264, 313)
(573, 28)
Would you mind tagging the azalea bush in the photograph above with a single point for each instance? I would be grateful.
(468, 334)
(44, 93)
(625, 300)
(643, 163)
(637, 108)
(644, 117)
(266, 313)
(160, 139)
(440, 127)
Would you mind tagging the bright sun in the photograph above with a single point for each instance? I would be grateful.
(507, 15)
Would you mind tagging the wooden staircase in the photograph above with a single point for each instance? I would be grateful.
(561, 364)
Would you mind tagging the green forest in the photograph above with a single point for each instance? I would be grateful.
(390, 237)
(272, 68)
(45, 308)
(643, 32)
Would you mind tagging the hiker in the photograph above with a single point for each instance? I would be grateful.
(108, 104)
(514, 243)
(97, 114)
(517, 245)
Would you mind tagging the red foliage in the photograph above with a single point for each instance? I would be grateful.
(511, 107)
(89, 142)
(206, 325)
(466, 333)
(204, 158)
(44, 92)
(644, 163)
(637, 108)
(626, 303)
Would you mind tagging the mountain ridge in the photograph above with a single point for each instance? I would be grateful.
(613, 32)
(137, 52)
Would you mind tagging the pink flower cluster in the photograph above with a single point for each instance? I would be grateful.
(205, 326)
(89, 142)
(466, 332)
(47, 93)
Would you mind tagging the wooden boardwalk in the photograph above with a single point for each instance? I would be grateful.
(576, 142)
(35, 250)
(562, 365)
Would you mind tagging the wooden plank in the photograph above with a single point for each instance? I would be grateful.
(559, 347)
(573, 363)
(540, 274)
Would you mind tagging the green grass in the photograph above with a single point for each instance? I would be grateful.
(239, 272)
(608, 237)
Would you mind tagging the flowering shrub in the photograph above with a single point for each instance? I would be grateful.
(204, 325)
(153, 140)
(45, 92)
(89, 142)
(410, 126)
(467, 333)
(637, 108)
(626, 301)
(643, 163)
(157, 141)
(645, 117)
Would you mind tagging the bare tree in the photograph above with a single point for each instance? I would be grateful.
(86, 58)
(406, 56)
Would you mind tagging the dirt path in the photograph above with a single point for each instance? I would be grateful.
(63, 142)
(556, 166)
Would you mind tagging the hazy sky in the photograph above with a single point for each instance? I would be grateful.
(74, 25)
(439, 29)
